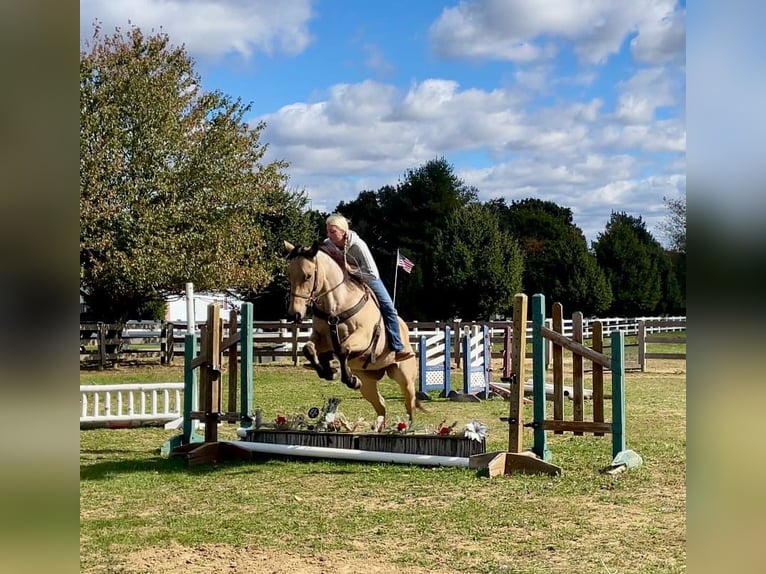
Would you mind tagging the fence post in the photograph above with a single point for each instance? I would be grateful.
(618, 392)
(642, 345)
(101, 346)
(538, 376)
(296, 328)
(190, 384)
(246, 364)
(516, 361)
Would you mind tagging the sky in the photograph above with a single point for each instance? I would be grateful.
(578, 102)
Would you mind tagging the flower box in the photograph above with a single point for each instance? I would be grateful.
(302, 438)
(432, 445)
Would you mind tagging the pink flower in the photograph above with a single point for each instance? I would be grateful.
(401, 426)
(280, 420)
(444, 430)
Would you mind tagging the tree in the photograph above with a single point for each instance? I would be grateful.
(633, 262)
(674, 226)
(284, 217)
(172, 184)
(557, 262)
(407, 217)
(477, 267)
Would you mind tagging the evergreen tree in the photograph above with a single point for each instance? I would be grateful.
(477, 267)
(633, 262)
(557, 262)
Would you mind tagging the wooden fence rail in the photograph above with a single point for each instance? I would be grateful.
(102, 344)
(650, 331)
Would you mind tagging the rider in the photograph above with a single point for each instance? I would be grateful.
(357, 254)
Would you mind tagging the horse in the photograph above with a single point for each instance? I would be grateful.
(347, 323)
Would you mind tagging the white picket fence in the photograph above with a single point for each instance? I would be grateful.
(130, 404)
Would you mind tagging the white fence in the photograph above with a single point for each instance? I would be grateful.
(130, 404)
(275, 340)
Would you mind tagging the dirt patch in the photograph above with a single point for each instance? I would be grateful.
(176, 559)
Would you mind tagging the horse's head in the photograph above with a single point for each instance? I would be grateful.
(301, 272)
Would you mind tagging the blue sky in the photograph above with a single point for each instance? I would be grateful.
(573, 101)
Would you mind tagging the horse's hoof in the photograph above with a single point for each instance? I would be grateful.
(354, 383)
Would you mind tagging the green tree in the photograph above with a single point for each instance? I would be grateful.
(633, 262)
(172, 183)
(476, 266)
(284, 217)
(419, 205)
(557, 262)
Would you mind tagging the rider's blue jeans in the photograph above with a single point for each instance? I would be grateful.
(390, 318)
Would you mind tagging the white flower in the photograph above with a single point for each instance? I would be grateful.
(476, 430)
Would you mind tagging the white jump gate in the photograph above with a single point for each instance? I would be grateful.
(130, 404)
(434, 363)
(476, 363)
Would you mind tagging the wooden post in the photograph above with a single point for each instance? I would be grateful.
(538, 376)
(457, 328)
(517, 361)
(597, 334)
(558, 365)
(577, 370)
(101, 346)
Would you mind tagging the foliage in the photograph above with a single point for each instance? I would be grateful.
(635, 264)
(464, 265)
(284, 217)
(172, 184)
(557, 262)
(674, 226)
(476, 266)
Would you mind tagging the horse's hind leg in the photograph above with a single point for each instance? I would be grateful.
(404, 374)
(371, 393)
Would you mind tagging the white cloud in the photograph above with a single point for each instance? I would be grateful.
(574, 154)
(209, 28)
(522, 30)
(647, 90)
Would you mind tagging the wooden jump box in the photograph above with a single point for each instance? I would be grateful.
(432, 445)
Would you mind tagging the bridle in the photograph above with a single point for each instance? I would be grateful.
(313, 297)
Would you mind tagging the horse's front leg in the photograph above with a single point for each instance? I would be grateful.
(346, 376)
(320, 362)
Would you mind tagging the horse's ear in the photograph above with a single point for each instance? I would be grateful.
(289, 246)
(314, 248)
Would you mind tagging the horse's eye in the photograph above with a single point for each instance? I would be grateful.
(307, 277)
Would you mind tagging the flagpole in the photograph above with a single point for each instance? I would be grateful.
(396, 273)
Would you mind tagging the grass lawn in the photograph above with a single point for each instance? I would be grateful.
(140, 512)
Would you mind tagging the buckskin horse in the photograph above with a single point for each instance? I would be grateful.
(347, 323)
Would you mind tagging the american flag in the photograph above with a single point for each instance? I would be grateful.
(405, 263)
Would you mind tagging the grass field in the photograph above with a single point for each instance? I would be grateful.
(143, 513)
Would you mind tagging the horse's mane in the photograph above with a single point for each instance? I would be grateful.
(334, 255)
(338, 259)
